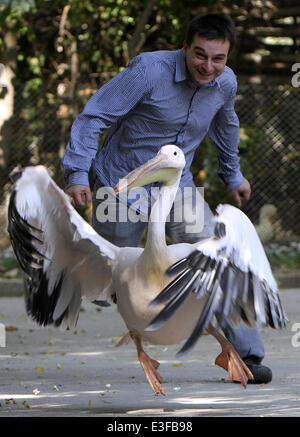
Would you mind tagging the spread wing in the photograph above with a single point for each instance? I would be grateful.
(62, 257)
(232, 275)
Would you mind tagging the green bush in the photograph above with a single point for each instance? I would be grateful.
(205, 165)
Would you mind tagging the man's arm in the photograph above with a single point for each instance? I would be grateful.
(111, 102)
(81, 195)
(224, 132)
(241, 193)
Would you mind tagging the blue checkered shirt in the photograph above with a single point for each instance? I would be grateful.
(151, 103)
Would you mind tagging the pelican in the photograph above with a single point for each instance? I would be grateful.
(265, 228)
(64, 259)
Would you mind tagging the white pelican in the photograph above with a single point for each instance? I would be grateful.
(266, 227)
(64, 259)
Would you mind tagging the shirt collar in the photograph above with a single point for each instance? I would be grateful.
(181, 73)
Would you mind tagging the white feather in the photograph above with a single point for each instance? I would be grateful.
(72, 247)
(240, 244)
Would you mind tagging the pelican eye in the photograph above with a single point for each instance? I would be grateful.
(175, 153)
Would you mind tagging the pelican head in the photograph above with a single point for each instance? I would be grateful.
(268, 211)
(164, 167)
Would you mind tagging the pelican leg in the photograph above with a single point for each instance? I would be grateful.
(149, 366)
(230, 360)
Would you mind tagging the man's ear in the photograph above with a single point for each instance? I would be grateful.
(185, 46)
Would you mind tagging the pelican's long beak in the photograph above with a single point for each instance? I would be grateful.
(158, 169)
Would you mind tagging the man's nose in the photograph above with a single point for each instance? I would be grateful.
(208, 66)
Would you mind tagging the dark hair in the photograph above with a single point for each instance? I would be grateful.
(212, 26)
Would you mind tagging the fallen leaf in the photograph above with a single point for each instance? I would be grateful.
(36, 391)
(90, 403)
(39, 369)
(59, 366)
(116, 338)
(177, 364)
(25, 404)
(11, 328)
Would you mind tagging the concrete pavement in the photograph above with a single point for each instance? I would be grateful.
(50, 372)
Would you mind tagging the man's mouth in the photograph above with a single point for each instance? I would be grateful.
(203, 74)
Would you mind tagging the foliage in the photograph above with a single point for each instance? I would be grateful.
(83, 43)
(62, 51)
(9, 263)
(285, 256)
(205, 165)
(50, 33)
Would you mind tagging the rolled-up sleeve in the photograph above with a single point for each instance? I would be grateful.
(110, 103)
(224, 132)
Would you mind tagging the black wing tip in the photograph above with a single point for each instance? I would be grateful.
(152, 327)
(157, 322)
(101, 303)
(40, 302)
(40, 306)
(182, 352)
(220, 230)
(15, 176)
(22, 240)
(177, 267)
(154, 303)
(170, 290)
(188, 271)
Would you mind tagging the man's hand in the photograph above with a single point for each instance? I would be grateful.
(241, 193)
(80, 194)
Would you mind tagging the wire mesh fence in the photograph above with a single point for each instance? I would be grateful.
(275, 160)
(38, 129)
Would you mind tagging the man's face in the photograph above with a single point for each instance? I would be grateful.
(205, 58)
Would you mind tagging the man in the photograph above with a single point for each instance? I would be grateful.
(166, 97)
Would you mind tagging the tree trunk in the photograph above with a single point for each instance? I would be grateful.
(136, 42)
(7, 92)
(6, 129)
